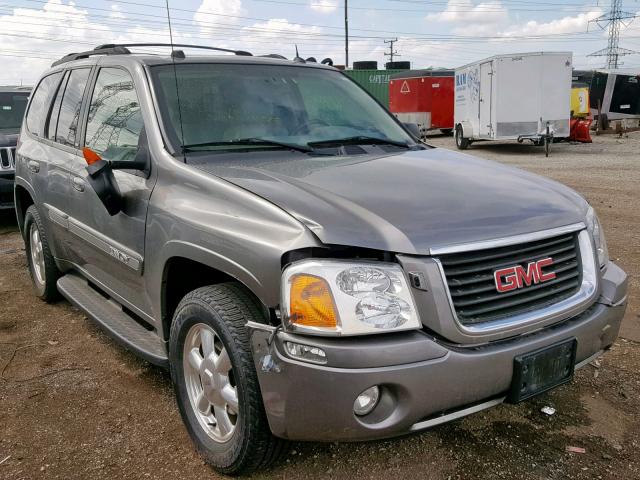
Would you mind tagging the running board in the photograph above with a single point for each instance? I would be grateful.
(110, 316)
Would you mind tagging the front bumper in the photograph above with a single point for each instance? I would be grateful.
(421, 378)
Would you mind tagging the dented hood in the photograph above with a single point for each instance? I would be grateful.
(404, 202)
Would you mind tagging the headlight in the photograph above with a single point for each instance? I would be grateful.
(333, 297)
(594, 227)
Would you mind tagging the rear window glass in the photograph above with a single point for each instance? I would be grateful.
(40, 103)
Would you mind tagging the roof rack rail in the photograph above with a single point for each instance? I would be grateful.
(101, 50)
(121, 49)
(183, 45)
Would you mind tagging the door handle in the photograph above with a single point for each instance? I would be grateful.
(33, 166)
(78, 184)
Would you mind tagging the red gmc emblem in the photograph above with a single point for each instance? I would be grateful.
(512, 278)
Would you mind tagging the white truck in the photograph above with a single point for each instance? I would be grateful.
(524, 96)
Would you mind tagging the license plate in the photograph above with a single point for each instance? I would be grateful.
(542, 370)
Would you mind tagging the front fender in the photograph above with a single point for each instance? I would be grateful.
(215, 260)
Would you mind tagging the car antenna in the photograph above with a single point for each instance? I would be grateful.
(298, 59)
(175, 76)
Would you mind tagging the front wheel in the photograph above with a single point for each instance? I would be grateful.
(215, 381)
(461, 142)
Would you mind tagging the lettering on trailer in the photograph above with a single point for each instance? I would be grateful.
(512, 278)
(469, 79)
(405, 87)
(379, 78)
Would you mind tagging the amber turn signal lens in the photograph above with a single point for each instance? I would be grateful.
(90, 156)
(311, 302)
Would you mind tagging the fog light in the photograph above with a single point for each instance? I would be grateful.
(366, 401)
(306, 353)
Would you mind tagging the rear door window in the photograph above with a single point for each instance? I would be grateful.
(69, 118)
(115, 119)
(55, 109)
(40, 102)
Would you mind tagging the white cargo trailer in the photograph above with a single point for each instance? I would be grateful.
(524, 96)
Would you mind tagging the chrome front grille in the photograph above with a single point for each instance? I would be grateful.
(472, 286)
(7, 158)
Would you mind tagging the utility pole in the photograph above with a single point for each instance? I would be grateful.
(346, 34)
(613, 20)
(392, 53)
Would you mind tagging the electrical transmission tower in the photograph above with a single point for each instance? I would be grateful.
(613, 19)
(392, 53)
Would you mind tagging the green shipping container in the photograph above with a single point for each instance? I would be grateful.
(376, 82)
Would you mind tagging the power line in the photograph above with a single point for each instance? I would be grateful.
(613, 19)
(392, 53)
(416, 35)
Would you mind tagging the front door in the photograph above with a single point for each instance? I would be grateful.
(110, 249)
(486, 79)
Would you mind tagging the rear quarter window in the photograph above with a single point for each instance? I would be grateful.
(40, 102)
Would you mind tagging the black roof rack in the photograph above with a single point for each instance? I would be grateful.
(121, 49)
(96, 51)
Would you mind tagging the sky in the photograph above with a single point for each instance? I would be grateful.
(434, 33)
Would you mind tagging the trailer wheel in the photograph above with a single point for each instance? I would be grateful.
(461, 142)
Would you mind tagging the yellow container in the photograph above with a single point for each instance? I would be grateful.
(580, 101)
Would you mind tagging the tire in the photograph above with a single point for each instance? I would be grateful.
(446, 131)
(233, 436)
(42, 266)
(461, 142)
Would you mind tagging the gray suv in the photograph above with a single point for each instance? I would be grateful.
(303, 265)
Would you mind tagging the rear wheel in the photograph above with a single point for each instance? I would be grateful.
(461, 142)
(446, 131)
(215, 381)
(42, 266)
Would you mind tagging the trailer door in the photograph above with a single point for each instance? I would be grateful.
(486, 78)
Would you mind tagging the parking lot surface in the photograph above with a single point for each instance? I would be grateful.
(75, 405)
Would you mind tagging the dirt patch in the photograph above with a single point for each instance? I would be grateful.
(75, 405)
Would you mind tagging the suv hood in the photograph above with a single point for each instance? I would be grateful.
(404, 202)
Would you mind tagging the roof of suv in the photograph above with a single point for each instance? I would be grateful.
(240, 57)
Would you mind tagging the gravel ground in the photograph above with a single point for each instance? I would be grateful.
(75, 405)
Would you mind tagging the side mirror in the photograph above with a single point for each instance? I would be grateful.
(413, 128)
(102, 181)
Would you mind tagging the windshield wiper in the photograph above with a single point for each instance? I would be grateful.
(361, 139)
(247, 141)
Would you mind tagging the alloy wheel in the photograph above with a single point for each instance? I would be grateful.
(210, 382)
(37, 254)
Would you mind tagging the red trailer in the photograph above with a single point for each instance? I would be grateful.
(423, 97)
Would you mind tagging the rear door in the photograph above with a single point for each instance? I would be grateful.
(63, 139)
(39, 163)
(110, 249)
(486, 79)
